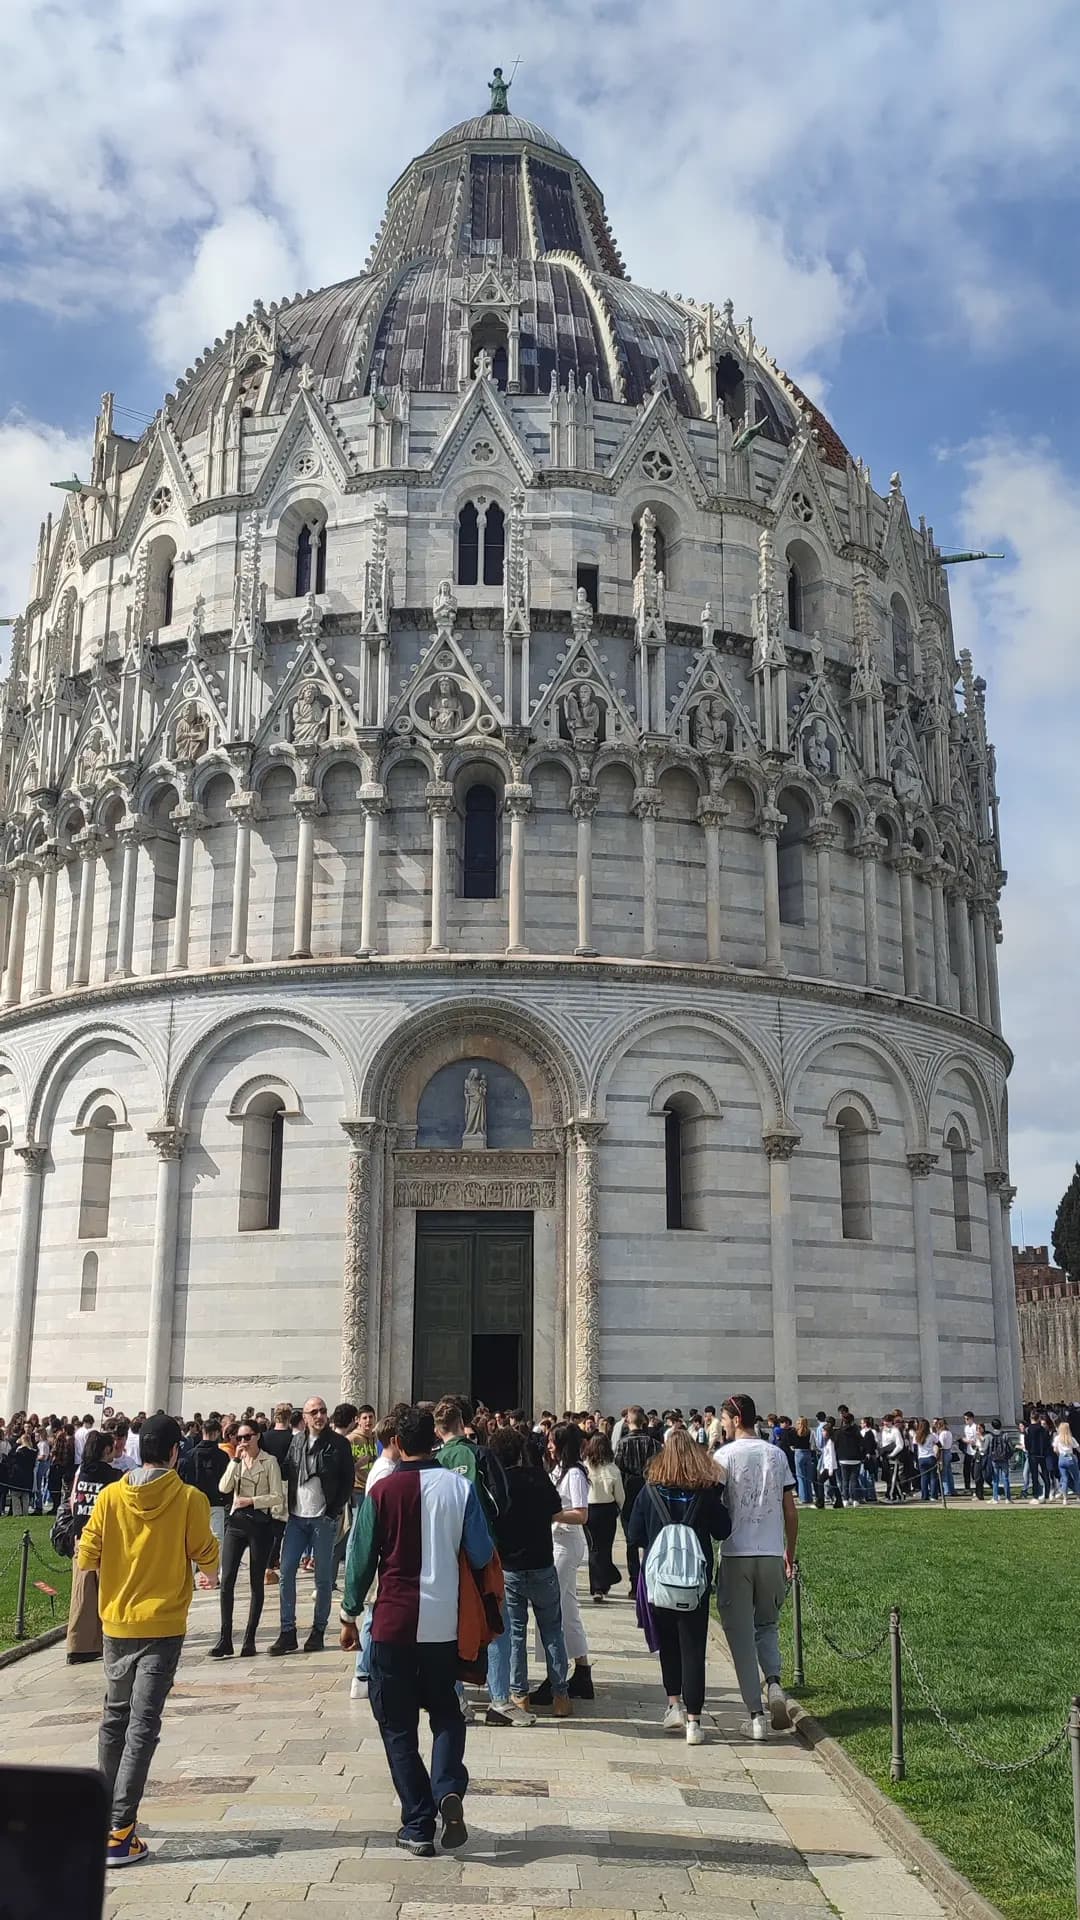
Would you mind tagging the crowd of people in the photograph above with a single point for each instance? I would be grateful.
(461, 1521)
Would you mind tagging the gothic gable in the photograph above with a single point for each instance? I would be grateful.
(480, 407)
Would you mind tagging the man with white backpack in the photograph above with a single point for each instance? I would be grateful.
(756, 1561)
(676, 1517)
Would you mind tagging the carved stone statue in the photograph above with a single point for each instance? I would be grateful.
(711, 725)
(192, 736)
(581, 616)
(445, 712)
(499, 90)
(475, 1133)
(444, 605)
(904, 774)
(581, 712)
(309, 715)
(92, 760)
(818, 748)
(708, 624)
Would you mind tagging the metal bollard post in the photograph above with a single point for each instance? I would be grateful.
(897, 1769)
(796, 1621)
(1074, 1749)
(1075, 1752)
(24, 1568)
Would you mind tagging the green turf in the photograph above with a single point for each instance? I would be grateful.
(989, 1606)
(41, 1613)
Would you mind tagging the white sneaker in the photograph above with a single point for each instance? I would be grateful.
(358, 1690)
(695, 1733)
(755, 1728)
(779, 1712)
(675, 1718)
(503, 1713)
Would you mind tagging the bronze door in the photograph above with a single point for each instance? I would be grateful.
(473, 1307)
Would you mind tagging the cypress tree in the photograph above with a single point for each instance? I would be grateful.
(1067, 1228)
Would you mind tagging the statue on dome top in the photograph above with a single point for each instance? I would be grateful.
(499, 90)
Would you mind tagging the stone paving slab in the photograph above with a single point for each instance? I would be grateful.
(270, 1799)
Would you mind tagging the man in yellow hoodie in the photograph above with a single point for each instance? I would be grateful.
(141, 1538)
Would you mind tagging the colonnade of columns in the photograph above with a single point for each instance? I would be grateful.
(973, 918)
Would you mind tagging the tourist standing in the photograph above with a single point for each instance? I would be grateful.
(828, 1480)
(319, 1475)
(204, 1467)
(868, 1471)
(802, 1453)
(524, 1538)
(84, 1618)
(1000, 1459)
(927, 1455)
(632, 1455)
(19, 1473)
(969, 1448)
(606, 1497)
(571, 1483)
(683, 1489)
(277, 1440)
(756, 1560)
(252, 1483)
(848, 1445)
(1067, 1464)
(410, 1531)
(945, 1442)
(142, 1535)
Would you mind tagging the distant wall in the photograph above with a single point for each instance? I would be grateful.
(1050, 1348)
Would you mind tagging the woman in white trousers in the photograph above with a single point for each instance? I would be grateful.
(571, 1482)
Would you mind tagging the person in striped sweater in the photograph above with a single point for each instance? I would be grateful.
(410, 1531)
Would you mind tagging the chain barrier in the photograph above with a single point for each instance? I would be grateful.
(868, 1653)
(49, 1565)
(961, 1741)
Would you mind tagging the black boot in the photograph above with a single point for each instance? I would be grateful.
(285, 1642)
(542, 1695)
(249, 1649)
(222, 1649)
(580, 1686)
(315, 1642)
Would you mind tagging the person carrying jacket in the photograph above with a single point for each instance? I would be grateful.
(319, 1475)
(141, 1538)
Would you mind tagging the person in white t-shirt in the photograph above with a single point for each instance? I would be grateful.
(87, 1427)
(756, 1560)
(384, 1463)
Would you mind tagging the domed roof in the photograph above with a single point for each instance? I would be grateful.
(497, 126)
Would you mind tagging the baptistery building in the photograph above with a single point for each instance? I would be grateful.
(500, 864)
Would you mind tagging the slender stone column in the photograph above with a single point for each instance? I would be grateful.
(129, 834)
(169, 1141)
(935, 880)
(768, 830)
(921, 1166)
(585, 1136)
(867, 850)
(1006, 1196)
(982, 969)
(7, 897)
(187, 820)
(25, 1277)
(517, 799)
(647, 808)
(1004, 1293)
(245, 809)
(583, 803)
(780, 1144)
(712, 814)
(16, 952)
(823, 839)
(365, 1140)
(440, 799)
(306, 807)
(969, 1003)
(48, 861)
(905, 864)
(88, 846)
(373, 801)
(992, 969)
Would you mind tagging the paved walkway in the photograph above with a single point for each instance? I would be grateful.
(270, 1800)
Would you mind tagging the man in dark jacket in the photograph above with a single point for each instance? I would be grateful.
(203, 1468)
(318, 1471)
(636, 1449)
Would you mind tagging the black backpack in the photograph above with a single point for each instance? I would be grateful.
(1000, 1449)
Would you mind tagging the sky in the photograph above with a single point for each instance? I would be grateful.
(891, 191)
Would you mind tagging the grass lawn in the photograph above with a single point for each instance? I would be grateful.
(41, 1613)
(989, 1604)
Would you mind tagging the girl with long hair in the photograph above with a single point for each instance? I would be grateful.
(682, 1487)
(606, 1498)
(1067, 1463)
(571, 1483)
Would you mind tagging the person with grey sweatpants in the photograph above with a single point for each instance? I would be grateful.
(756, 1561)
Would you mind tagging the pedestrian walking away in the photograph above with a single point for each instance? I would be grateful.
(756, 1561)
(411, 1530)
(84, 1617)
(141, 1538)
(679, 1513)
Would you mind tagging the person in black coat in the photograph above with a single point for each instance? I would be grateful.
(682, 1486)
(632, 1456)
(318, 1473)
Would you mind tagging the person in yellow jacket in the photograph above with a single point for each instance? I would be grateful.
(142, 1535)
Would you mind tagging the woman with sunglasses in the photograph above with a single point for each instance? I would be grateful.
(253, 1478)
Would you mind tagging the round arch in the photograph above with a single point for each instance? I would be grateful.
(72, 1053)
(981, 1094)
(288, 1020)
(916, 1119)
(760, 1069)
(407, 1057)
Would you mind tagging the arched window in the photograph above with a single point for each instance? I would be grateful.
(494, 545)
(730, 387)
(684, 1162)
(95, 1197)
(310, 559)
(88, 1283)
(901, 638)
(854, 1144)
(159, 584)
(794, 599)
(468, 546)
(490, 335)
(167, 595)
(673, 1162)
(261, 1156)
(961, 1191)
(789, 860)
(480, 845)
(661, 551)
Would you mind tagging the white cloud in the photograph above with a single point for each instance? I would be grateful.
(235, 261)
(1020, 620)
(31, 454)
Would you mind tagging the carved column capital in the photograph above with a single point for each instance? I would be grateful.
(712, 812)
(50, 859)
(586, 1132)
(188, 819)
(245, 807)
(306, 803)
(584, 801)
(132, 830)
(868, 846)
(33, 1157)
(780, 1142)
(921, 1164)
(906, 861)
(372, 798)
(997, 1180)
(770, 823)
(168, 1138)
(439, 795)
(824, 834)
(517, 799)
(363, 1134)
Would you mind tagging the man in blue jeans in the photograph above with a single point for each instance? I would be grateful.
(526, 1549)
(318, 1470)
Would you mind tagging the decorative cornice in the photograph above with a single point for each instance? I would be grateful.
(515, 1180)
